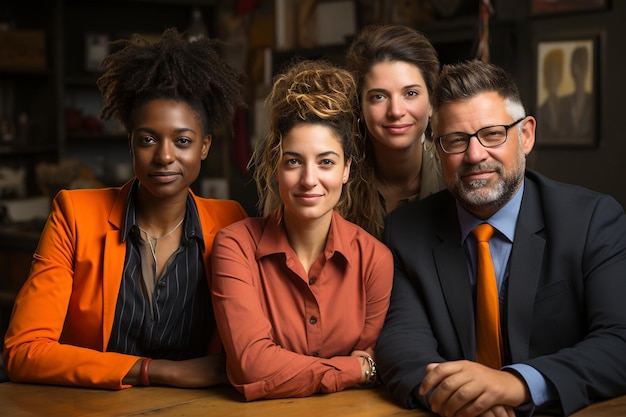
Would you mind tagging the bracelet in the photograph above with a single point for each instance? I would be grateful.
(143, 374)
(370, 374)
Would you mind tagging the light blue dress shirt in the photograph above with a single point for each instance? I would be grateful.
(500, 245)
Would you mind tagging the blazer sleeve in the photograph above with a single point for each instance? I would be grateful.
(420, 328)
(406, 343)
(33, 349)
(257, 366)
(593, 368)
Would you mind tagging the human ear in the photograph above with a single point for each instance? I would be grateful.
(206, 145)
(346, 171)
(528, 134)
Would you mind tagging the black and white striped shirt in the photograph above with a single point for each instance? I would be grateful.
(179, 324)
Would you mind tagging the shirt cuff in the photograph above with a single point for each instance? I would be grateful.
(538, 386)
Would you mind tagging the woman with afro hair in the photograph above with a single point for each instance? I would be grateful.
(118, 292)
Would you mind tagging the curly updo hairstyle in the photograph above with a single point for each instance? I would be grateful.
(308, 92)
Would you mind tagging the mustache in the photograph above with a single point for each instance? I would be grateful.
(474, 168)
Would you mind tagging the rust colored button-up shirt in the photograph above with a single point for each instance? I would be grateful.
(288, 333)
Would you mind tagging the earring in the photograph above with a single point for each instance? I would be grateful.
(428, 140)
(362, 129)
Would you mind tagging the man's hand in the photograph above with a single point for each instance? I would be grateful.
(468, 389)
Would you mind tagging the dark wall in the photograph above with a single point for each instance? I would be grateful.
(602, 168)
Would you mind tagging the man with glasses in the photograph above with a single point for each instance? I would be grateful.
(557, 255)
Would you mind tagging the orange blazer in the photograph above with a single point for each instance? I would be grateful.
(63, 314)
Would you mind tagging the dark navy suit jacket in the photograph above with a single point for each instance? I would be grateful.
(565, 305)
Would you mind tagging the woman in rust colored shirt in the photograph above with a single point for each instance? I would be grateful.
(300, 295)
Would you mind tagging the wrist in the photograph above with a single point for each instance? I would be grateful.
(370, 376)
(144, 373)
(519, 387)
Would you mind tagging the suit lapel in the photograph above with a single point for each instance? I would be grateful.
(113, 266)
(524, 271)
(451, 262)
(114, 256)
(209, 229)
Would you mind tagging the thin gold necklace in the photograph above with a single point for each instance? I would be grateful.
(151, 239)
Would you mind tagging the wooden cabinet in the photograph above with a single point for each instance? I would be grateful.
(16, 254)
(49, 109)
(29, 94)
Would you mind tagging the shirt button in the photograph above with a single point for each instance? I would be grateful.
(162, 283)
(313, 320)
(312, 280)
(315, 354)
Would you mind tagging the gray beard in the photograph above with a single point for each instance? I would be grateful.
(474, 196)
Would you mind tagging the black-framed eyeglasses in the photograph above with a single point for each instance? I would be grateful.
(489, 137)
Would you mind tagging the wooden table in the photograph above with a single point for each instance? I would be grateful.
(17, 400)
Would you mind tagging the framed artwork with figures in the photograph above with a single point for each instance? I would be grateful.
(568, 90)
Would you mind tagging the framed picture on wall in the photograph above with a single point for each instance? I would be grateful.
(542, 7)
(568, 90)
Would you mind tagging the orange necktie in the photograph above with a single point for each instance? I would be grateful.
(488, 336)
